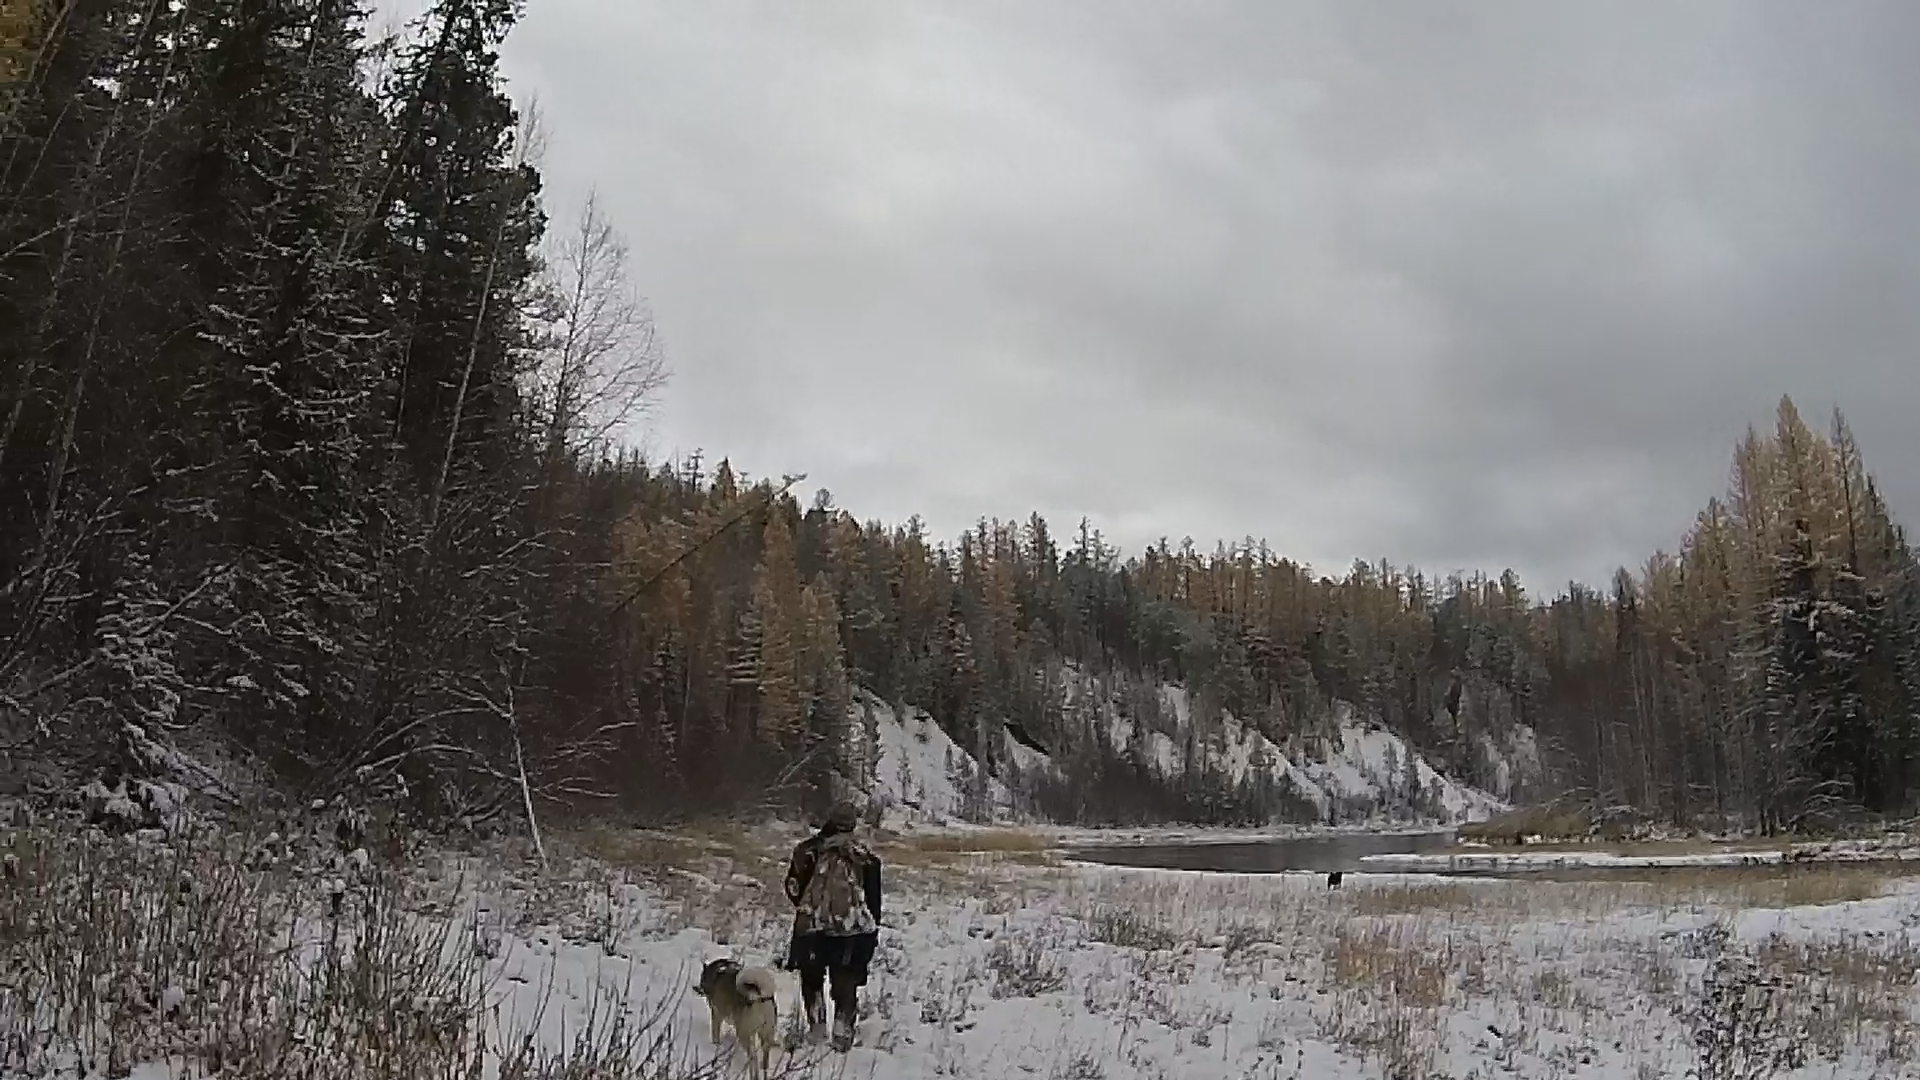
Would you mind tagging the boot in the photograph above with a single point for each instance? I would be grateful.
(843, 1019)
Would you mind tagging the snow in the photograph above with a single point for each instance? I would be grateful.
(1369, 770)
(1512, 765)
(920, 768)
(1026, 758)
(993, 968)
(1361, 779)
(1539, 861)
(1107, 972)
(1365, 777)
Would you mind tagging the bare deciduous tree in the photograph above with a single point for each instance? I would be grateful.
(600, 364)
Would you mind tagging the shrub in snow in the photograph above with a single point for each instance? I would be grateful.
(133, 806)
(1024, 969)
(1743, 1027)
(119, 951)
(1120, 926)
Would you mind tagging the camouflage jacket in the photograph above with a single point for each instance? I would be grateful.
(831, 903)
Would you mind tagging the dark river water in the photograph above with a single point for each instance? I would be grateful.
(1313, 854)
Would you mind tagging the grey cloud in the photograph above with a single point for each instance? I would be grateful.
(1461, 284)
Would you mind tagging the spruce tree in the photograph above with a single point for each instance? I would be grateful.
(284, 358)
(454, 221)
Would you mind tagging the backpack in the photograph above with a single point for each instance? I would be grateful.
(835, 899)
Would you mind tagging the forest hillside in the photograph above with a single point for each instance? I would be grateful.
(310, 458)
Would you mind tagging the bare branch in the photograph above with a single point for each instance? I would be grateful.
(600, 365)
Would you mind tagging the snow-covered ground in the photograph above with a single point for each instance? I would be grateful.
(998, 960)
(995, 967)
(1845, 851)
(922, 775)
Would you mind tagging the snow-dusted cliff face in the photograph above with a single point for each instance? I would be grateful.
(1364, 772)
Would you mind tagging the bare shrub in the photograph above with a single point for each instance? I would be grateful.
(1121, 927)
(1417, 899)
(1241, 938)
(116, 951)
(1399, 1038)
(1743, 1025)
(1846, 991)
(1024, 969)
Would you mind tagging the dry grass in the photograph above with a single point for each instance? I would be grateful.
(1851, 986)
(1685, 845)
(1593, 894)
(698, 848)
(1114, 925)
(729, 879)
(1421, 899)
(981, 841)
(1025, 968)
(727, 851)
(721, 876)
(199, 950)
(1786, 886)
(1598, 891)
(638, 850)
(1551, 822)
(1556, 961)
(944, 854)
(1395, 961)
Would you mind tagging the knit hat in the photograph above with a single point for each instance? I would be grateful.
(844, 815)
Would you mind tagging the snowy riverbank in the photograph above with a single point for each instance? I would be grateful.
(1521, 861)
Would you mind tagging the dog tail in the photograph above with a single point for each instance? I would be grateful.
(757, 985)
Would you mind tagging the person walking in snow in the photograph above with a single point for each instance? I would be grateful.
(833, 881)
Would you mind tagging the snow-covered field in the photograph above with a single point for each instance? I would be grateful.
(997, 964)
(1896, 849)
(999, 960)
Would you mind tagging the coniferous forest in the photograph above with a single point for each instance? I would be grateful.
(308, 450)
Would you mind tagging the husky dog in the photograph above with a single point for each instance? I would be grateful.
(744, 997)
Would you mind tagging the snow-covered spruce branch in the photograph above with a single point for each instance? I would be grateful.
(143, 627)
(147, 627)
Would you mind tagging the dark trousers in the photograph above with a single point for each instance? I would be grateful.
(818, 957)
(846, 993)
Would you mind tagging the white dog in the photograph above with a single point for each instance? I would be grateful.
(745, 997)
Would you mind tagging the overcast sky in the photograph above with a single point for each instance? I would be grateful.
(1455, 284)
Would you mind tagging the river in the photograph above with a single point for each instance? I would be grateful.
(1310, 854)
